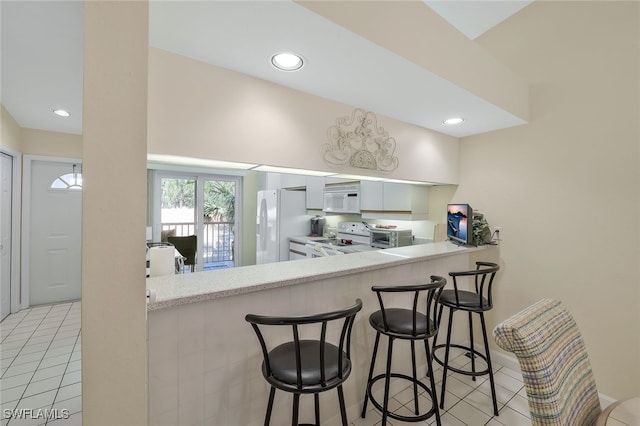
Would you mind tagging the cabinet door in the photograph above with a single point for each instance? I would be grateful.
(297, 250)
(371, 195)
(292, 181)
(315, 190)
(396, 197)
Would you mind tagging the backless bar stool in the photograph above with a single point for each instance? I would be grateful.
(405, 324)
(473, 302)
(307, 366)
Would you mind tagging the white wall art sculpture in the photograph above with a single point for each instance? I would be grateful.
(357, 141)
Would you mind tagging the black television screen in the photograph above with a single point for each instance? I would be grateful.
(460, 223)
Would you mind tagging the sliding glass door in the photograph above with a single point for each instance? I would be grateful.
(219, 222)
(201, 205)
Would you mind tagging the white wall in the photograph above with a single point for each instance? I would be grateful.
(199, 110)
(566, 186)
(114, 327)
(54, 144)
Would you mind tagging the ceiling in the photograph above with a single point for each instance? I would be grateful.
(42, 45)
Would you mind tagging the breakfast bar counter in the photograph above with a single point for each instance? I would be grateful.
(204, 361)
(179, 289)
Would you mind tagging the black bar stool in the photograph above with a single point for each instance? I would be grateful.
(405, 324)
(473, 302)
(307, 366)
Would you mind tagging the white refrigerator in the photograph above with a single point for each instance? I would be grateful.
(281, 214)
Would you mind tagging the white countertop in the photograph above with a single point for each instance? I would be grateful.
(174, 290)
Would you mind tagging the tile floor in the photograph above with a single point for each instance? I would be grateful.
(40, 366)
(466, 402)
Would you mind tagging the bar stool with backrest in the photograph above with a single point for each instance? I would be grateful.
(475, 301)
(308, 366)
(405, 324)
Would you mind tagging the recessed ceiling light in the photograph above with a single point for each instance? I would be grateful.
(61, 112)
(453, 121)
(286, 61)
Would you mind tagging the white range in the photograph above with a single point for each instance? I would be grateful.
(352, 237)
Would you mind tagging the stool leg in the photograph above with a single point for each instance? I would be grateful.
(267, 418)
(471, 346)
(488, 355)
(316, 399)
(415, 378)
(432, 382)
(435, 337)
(373, 362)
(446, 358)
(343, 410)
(296, 407)
(385, 406)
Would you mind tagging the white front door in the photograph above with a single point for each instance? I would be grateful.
(6, 187)
(55, 219)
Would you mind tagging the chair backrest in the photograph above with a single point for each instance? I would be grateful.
(344, 340)
(187, 247)
(432, 290)
(554, 363)
(483, 277)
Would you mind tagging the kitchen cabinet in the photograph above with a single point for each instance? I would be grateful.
(371, 195)
(396, 197)
(288, 180)
(297, 250)
(314, 186)
(388, 200)
(283, 180)
(315, 192)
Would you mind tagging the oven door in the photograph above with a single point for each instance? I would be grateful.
(380, 239)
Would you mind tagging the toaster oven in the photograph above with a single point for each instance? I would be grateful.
(390, 238)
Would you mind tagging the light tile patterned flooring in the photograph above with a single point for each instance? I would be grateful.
(466, 402)
(40, 366)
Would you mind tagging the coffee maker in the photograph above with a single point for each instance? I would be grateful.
(317, 226)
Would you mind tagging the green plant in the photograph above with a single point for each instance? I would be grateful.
(219, 203)
(481, 230)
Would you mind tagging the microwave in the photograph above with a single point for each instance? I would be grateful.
(390, 238)
(341, 199)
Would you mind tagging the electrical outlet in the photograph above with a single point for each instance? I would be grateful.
(497, 234)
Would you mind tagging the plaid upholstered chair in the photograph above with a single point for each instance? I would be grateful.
(557, 375)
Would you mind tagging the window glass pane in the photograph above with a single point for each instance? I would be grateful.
(68, 181)
(219, 223)
(177, 213)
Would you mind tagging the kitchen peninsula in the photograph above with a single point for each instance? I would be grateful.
(204, 360)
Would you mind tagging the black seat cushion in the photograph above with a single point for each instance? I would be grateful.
(400, 321)
(466, 300)
(283, 363)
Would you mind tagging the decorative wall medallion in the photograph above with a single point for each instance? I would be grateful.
(357, 141)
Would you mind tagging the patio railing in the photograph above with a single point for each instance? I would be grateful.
(218, 241)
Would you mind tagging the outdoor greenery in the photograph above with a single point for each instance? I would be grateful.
(219, 198)
(178, 193)
(219, 201)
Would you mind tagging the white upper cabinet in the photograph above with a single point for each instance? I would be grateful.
(315, 190)
(371, 196)
(292, 181)
(386, 200)
(378, 200)
(396, 197)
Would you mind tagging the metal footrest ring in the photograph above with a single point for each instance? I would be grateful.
(396, 416)
(458, 370)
